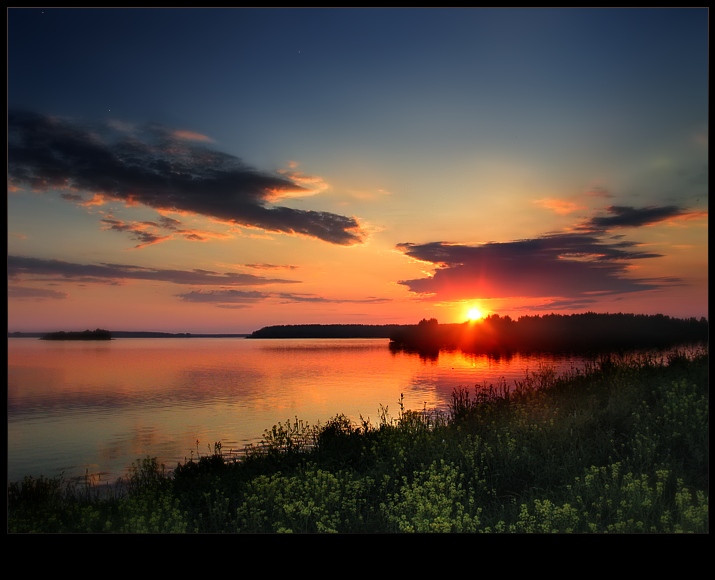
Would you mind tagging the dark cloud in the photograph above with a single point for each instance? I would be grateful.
(169, 223)
(74, 197)
(271, 266)
(139, 231)
(572, 266)
(24, 269)
(552, 305)
(237, 297)
(21, 292)
(162, 170)
(289, 297)
(145, 231)
(223, 296)
(631, 217)
(20, 268)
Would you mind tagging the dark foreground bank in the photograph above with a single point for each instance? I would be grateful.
(621, 447)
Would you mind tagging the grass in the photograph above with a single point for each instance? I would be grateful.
(619, 447)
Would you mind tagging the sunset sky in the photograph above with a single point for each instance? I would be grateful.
(221, 170)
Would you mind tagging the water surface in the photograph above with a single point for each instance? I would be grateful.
(93, 408)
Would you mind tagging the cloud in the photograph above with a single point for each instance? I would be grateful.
(21, 292)
(138, 231)
(289, 297)
(237, 297)
(631, 217)
(309, 184)
(567, 265)
(169, 223)
(551, 305)
(271, 266)
(96, 199)
(223, 296)
(22, 268)
(146, 232)
(190, 136)
(33, 269)
(599, 191)
(559, 206)
(165, 170)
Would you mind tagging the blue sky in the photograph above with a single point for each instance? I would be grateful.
(353, 165)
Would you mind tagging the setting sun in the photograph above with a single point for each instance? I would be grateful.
(474, 314)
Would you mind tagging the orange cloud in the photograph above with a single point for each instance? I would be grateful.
(306, 185)
(693, 215)
(96, 199)
(560, 206)
(599, 191)
(190, 136)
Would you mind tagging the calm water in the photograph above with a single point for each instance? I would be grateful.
(78, 407)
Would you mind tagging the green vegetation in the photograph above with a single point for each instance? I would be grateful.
(620, 447)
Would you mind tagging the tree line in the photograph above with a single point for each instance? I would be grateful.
(98, 334)
(589, 331)
(326, 331)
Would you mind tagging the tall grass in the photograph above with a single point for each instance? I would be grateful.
(618, 447)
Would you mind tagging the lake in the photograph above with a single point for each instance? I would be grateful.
(94, 407)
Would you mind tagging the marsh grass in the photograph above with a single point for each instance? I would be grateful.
(618, 447)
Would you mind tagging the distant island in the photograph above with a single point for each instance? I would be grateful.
(99, 334)
(553, 332)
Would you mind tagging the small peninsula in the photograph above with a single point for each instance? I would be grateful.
(327, 331)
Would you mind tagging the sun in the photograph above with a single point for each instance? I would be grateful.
(474, 314)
